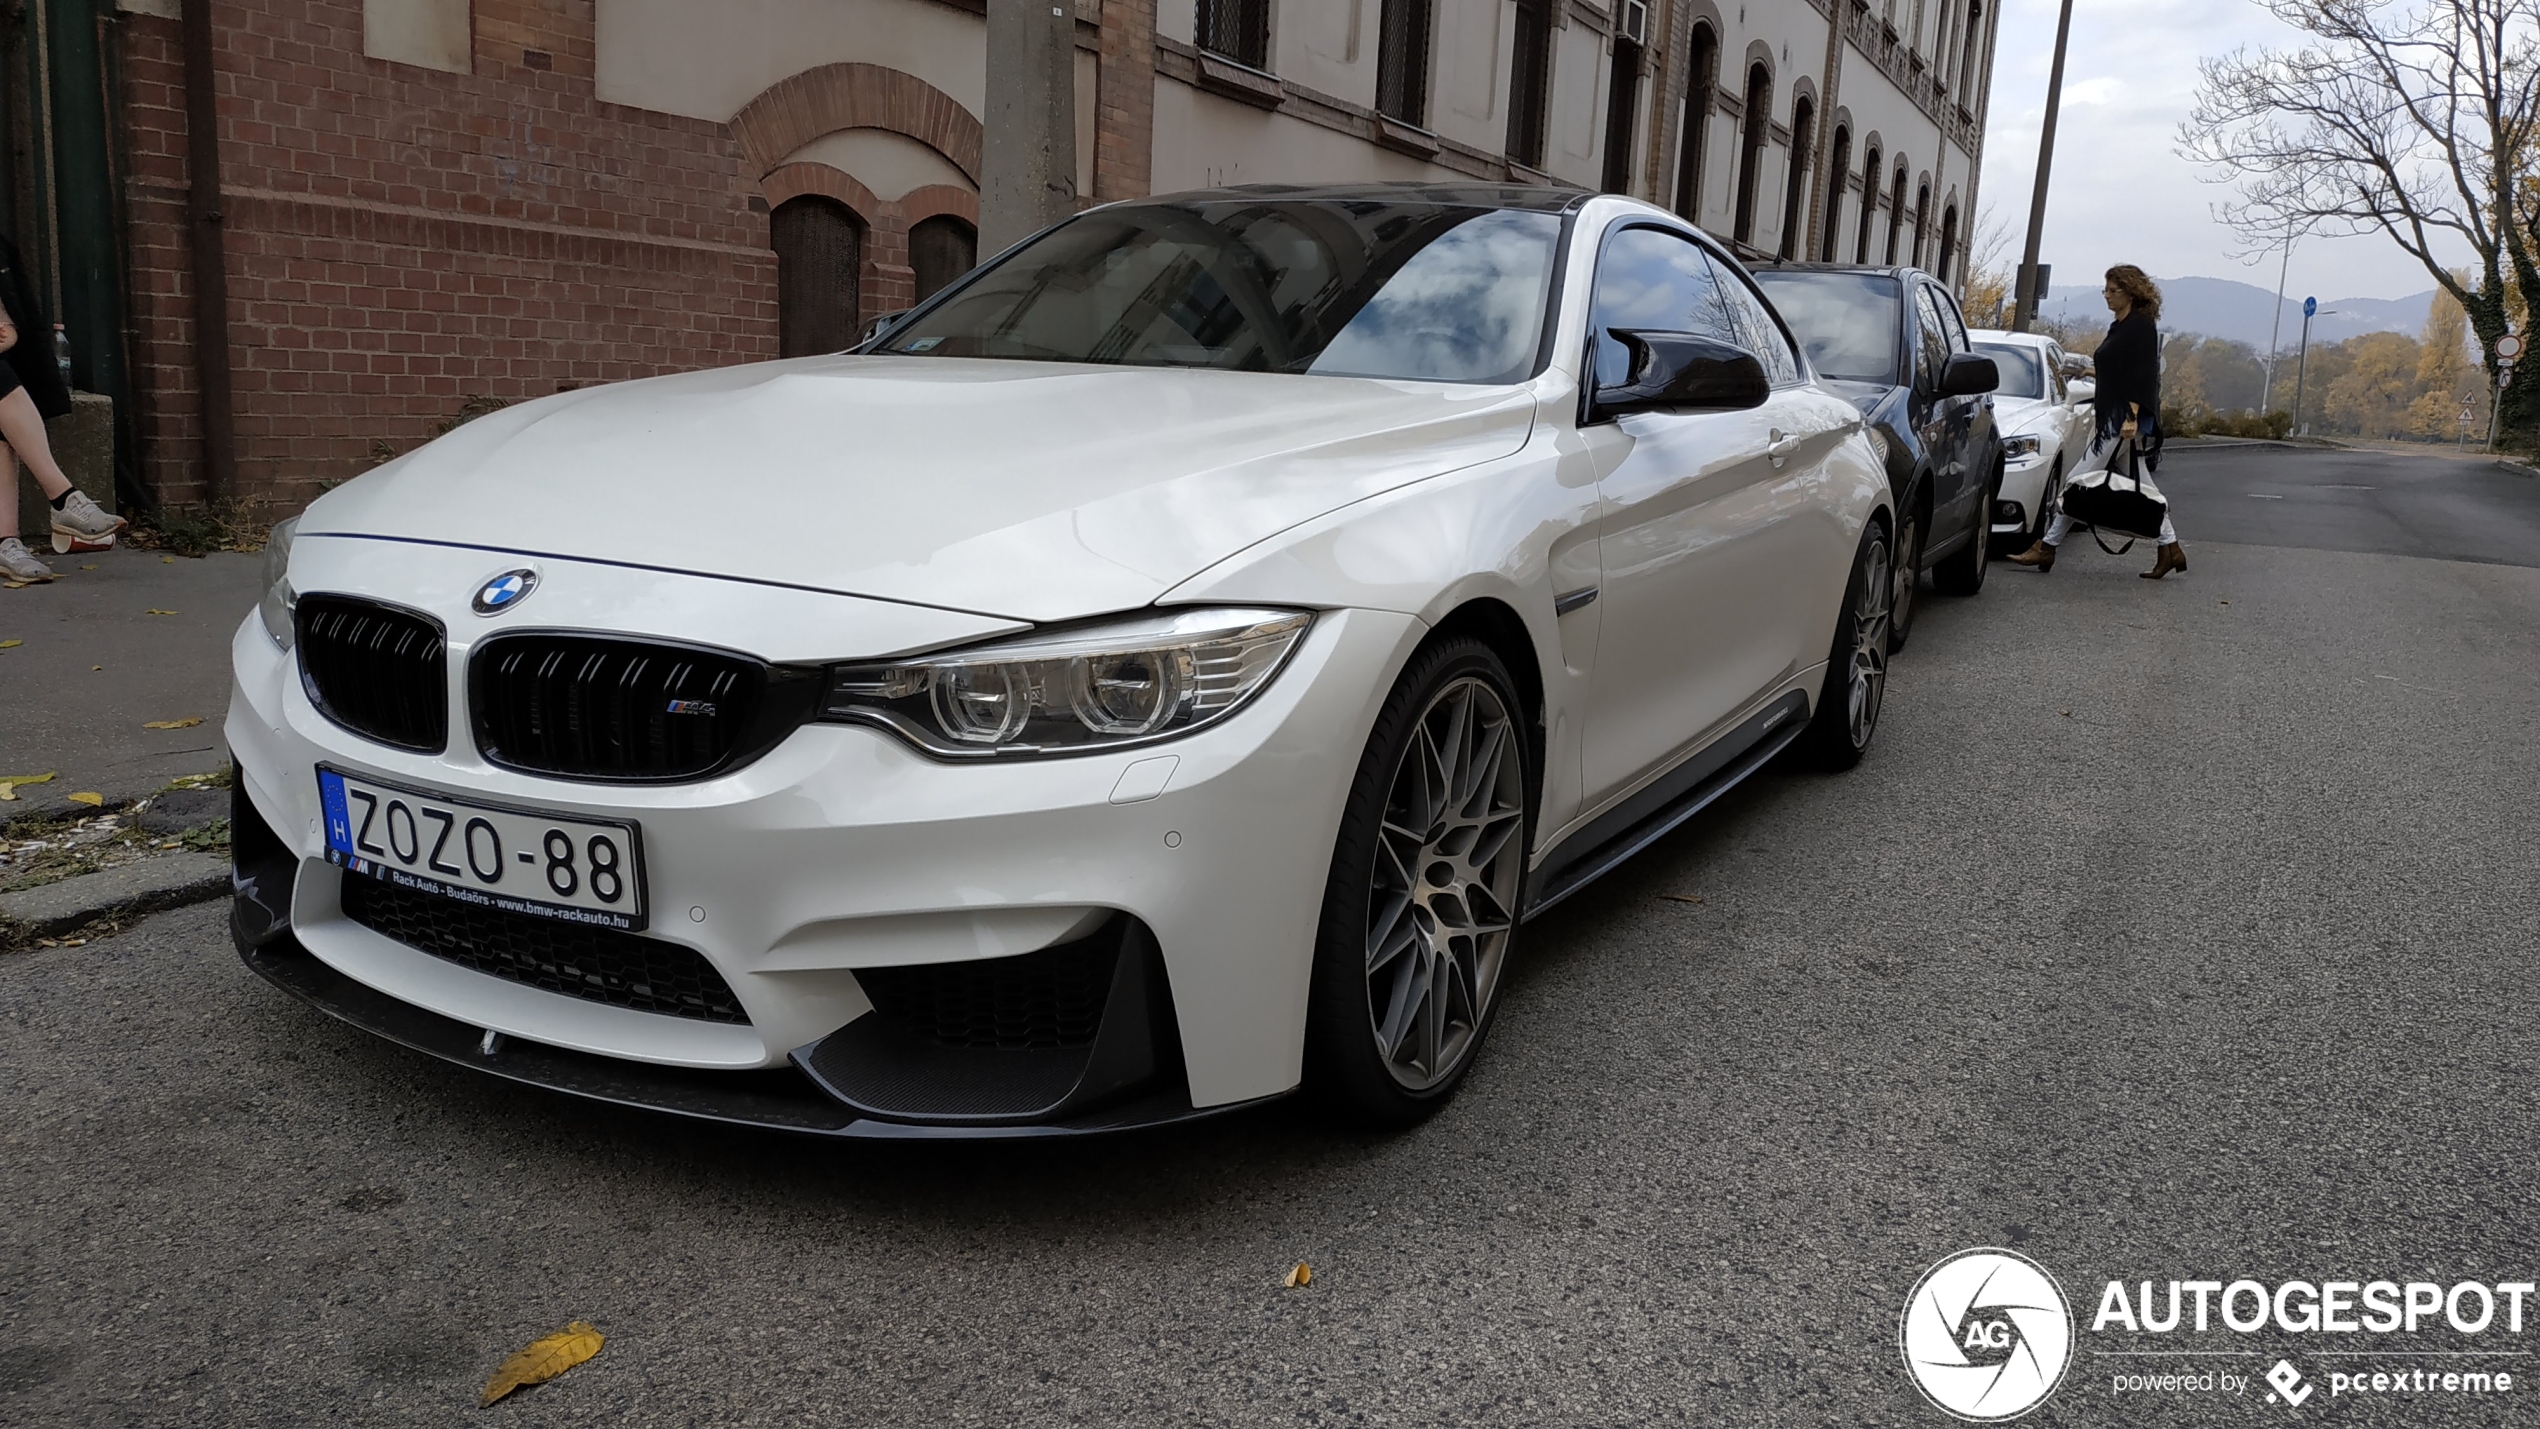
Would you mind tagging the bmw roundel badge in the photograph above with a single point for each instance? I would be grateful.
(504, 591)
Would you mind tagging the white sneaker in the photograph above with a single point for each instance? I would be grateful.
(17, 565)
(81, 525)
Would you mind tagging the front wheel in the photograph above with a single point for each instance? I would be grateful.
(1421, 904)
(1906, 571)
(1848, 704)
(1963, 572)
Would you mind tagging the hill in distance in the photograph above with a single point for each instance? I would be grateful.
(2243, 312)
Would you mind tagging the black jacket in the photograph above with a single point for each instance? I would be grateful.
(2129, 365)
(32, 358)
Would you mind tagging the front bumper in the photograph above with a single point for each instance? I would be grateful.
(841, 850)
(2023, 492)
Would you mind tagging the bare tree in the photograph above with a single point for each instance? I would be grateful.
(2412, 120)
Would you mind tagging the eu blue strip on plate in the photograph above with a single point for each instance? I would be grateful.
(339, 823)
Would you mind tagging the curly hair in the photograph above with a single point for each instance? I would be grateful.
(2138, 288)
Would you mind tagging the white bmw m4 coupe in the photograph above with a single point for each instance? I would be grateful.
(1161, 671)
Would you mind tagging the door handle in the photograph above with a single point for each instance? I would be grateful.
(1782, 447)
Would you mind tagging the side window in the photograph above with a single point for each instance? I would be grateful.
(1756, 330)
(1651, 278)
(1932, 343)
(1949, 316)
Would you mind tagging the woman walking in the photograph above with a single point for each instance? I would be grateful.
(31, 390)
(2127, 406)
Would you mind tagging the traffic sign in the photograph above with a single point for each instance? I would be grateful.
(2508, 347)
(2310, 307)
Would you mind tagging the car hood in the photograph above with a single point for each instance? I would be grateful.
(1037, 491)
(2023, 415)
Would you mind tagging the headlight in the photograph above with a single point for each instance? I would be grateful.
(2017, 447)
(276, 607)
(1124, 683)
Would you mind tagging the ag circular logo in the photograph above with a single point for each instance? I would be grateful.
(504, 591)
(1987, 1335)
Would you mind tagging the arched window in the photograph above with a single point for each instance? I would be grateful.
(1702, 87)
(1948, 241)
(1896, 214)
(1967, 53)
(819, 255)
(1869, 202)
(1803, 117)
(1759, 128)
(941, 249)
(1622, 116)
(1922, 223)
(1838, 173)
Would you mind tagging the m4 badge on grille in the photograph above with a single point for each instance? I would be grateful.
(692, 707)
(504, 591)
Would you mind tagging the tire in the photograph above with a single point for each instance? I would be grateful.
(1847, 716)
(1908, 575)
(1408, 965)
(1963, 573)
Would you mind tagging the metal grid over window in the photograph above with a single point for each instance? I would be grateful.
(1402, 60)
(1237, 29)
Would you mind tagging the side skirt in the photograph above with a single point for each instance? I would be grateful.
(1658, 810)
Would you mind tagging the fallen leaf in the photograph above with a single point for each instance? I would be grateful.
(97, 667)
(15, 585)
(88, 568)
(1302, 1275)
(167, 560)
(10, 644)
(543, 1360)
(74, 942)
(2068, 714)
(2222, 602)
(9, 784)
(158, 612)
(94, 801)
(1680, 897)
(186, 723)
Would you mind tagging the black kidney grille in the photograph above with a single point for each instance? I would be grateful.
(1052, 998)
(595, 964)
(378, 671)
(590, 708)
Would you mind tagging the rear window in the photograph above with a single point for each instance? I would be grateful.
(1847, 321)
(2023, 375)
(1424, 291)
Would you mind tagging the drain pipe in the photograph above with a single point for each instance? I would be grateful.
(211, 270)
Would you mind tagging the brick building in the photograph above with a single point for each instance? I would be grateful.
(427, 206)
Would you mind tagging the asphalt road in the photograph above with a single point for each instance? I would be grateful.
(2170, 931)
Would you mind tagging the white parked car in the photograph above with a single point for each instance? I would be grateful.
(2045, 424)
(1163, 669)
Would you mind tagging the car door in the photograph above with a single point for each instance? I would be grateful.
(1703, 520)
(1941, 423)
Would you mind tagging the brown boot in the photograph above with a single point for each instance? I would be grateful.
(2039, 554)
(2173, 557)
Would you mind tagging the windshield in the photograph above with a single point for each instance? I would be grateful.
(2023, 375)
(1847, 321)
(1419, 290)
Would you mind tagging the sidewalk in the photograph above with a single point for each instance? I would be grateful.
(95, 663)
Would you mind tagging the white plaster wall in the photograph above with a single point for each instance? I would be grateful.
(434, 34)
(707, 60)
(1329, 45)
(1202, 141)
(888, 163)
(1468, 86)
(1575, 142)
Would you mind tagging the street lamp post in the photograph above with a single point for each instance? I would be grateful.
(2310, 309)
(2276, 331)
(2029, 296)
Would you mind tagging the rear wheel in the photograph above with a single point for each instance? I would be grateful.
(1847, 715)
(1963, 572)
(1421, 904)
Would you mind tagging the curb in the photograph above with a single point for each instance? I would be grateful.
(152, 885)
(2518, 468)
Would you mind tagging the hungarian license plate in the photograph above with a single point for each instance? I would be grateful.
(516, 860)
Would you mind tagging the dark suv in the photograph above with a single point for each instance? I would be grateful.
(1892, 341)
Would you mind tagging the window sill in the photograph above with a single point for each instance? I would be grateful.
(1240, 82)
(1405, 138)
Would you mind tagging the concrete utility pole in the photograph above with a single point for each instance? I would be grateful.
(2266, 401)
(2029, 296)
(1027, 162)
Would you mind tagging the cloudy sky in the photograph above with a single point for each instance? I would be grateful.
(2121, 193)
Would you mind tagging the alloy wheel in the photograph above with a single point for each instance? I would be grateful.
(1872, 608)
(1908, 573)
(1444, 886)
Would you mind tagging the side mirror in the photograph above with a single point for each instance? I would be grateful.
(877, 327)
(1684, 372)
(1968, 375)
(2083, 391)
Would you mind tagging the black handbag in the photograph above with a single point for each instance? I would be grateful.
(2117, 498)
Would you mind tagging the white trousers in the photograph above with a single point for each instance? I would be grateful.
(2059, 525)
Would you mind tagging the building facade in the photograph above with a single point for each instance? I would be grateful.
(427, 207)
